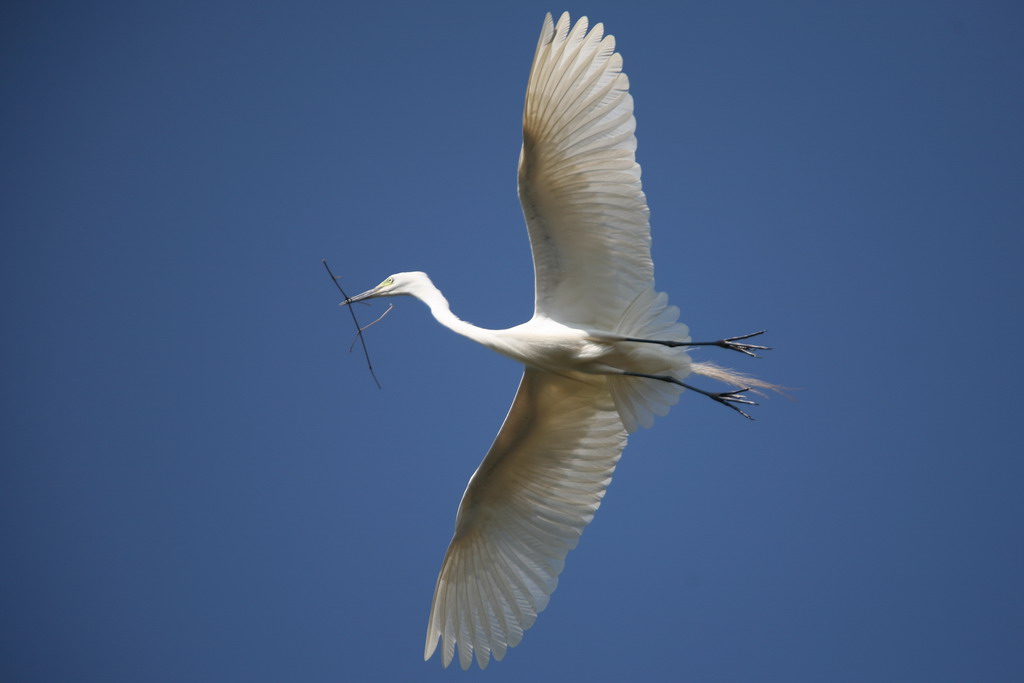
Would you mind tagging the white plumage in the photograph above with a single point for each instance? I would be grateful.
(603, 354)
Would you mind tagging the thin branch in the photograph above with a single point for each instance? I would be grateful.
(359, 330)
(369, 325)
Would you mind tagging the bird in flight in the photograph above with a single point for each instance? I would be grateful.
(604, 352)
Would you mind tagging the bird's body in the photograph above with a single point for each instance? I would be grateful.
(550, 345)
(604, 352)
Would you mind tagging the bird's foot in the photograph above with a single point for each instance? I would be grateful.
(734, 344)
(731, 398)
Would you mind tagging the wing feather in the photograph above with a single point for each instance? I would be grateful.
(579, 182)
(523, 511)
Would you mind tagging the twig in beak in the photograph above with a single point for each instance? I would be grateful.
(367, 326)
(359, 330)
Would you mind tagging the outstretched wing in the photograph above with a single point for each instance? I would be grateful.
(579, 182)
(523, 511)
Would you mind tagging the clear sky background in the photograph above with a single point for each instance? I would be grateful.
(200, 483)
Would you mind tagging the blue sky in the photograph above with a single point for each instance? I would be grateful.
(200, 483)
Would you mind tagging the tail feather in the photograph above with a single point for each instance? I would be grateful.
(740, 380)
(639, 400)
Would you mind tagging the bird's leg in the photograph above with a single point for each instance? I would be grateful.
(732, 343)
(726, 398)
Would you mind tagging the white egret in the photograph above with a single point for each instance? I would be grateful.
(603, 354)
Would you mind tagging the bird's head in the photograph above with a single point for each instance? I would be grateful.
(393, 285)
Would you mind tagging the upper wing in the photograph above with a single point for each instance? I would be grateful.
(579, 182)
(523, 511)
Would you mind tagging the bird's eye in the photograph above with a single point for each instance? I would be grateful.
(388, 282)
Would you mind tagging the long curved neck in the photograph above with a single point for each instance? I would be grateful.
(429, 294)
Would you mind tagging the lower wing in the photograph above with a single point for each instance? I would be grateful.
(524, 510)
